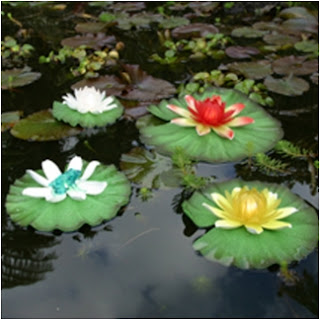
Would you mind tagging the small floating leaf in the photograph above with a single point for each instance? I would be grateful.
(91, 27)
(42, 126)
(18, 77)
(280, 39)
(194, 30)
(9, 119)
(307, 46)
(248, 32)
(173, 22)
(89, 40)
(289, 86)
(252, 70)
(239, 52)
(295, 65)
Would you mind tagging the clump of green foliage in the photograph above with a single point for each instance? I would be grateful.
(88, 62)
(202, 80)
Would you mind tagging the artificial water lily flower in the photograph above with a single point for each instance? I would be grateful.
(210, 114)
(89, 99)
(250, 208)
(57, 185)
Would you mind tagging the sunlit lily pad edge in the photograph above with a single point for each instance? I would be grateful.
(88, 120)
(259, 136)
(242, 249)
(69, 215)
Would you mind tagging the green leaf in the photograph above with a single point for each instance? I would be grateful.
(18, 77)
(69, 215)
(253, 69)
(166, 137)
(41, 126)
(248, 32)
(86, 120)
(9, 119)
(244, 250)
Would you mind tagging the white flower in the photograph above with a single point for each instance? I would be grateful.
(89, 100)
(57, 185)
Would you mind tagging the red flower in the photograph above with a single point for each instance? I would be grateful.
(208, 114)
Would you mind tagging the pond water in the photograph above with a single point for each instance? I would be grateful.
(141, 264)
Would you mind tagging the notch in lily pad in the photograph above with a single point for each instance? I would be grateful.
(85, 192)
(254, 224)
(208, 128)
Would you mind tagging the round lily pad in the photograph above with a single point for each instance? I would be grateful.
(89, 40)
(18, 77)
(252, 70)
(295, 65)
(86, 120)
(245, 250)
(166, 137)
(42, 126)
(248, 32)
(289, 86)
(194, 30)
(69, 214)
(239, 52)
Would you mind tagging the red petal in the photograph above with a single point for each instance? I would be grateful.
(235, 108)
(240, 121)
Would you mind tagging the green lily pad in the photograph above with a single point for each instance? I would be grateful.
(297, 12)
(148, 169)
(18, 78)
(91, 27)
(295, 65)
(252, 70)
(9, 119)
(69, 214)
(280, 39)
(239, 52)
(194, 30)
(89, 40)
(173, 22)
(244, 250)
(166, 137)
(289, 86)
(248, 32)
(307, 46)
(300, 25)
(86, 120)
(42, 126)
(138, 20)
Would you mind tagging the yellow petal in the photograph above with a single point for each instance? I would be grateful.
(180, 111)
(227, 224)
(202, 129)
(217, 212)
(221, 201)
(224, 131)
(253, 228)
(274, 225)
(285, 212)
(183, 122)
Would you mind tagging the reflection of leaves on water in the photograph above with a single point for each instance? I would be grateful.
(24, 258)
(306, 292)
(202, 284)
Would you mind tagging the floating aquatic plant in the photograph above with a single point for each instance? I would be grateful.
(48, 199)
(256, 224)
(88, 108)
(212, 141)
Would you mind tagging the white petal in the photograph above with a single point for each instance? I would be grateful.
(38, 178)
(50, 169)
(75, 163)
(52, 197)
(92, 187)
(36, 192)
(89, 170)
(76, 194)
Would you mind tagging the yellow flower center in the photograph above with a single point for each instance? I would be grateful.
(249, 205)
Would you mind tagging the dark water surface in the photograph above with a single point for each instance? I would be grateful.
(140, 264)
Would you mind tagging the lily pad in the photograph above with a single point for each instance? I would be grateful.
(18, 78)
(280, 39)
(297, 12)
(173, 22)
(295, 65)
(248, 32)
(252, 70)
(89, 40)
(300, 25)
(69, 214)
(91, 27)
(132, 6)
(307, 46)
(289, 86)
(138, 20)
(166, 136)
(42, 126)
(148, 169)
(9, 119)
(86, 120)
(245, 250)
(194, 30)
(137, 86)
(239, 52)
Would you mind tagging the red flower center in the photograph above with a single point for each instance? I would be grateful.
(211, 112)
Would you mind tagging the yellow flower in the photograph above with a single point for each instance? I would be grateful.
(250, 208)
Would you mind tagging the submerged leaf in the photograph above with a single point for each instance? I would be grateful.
(18, 77)
(289, 86)
(42, 126)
